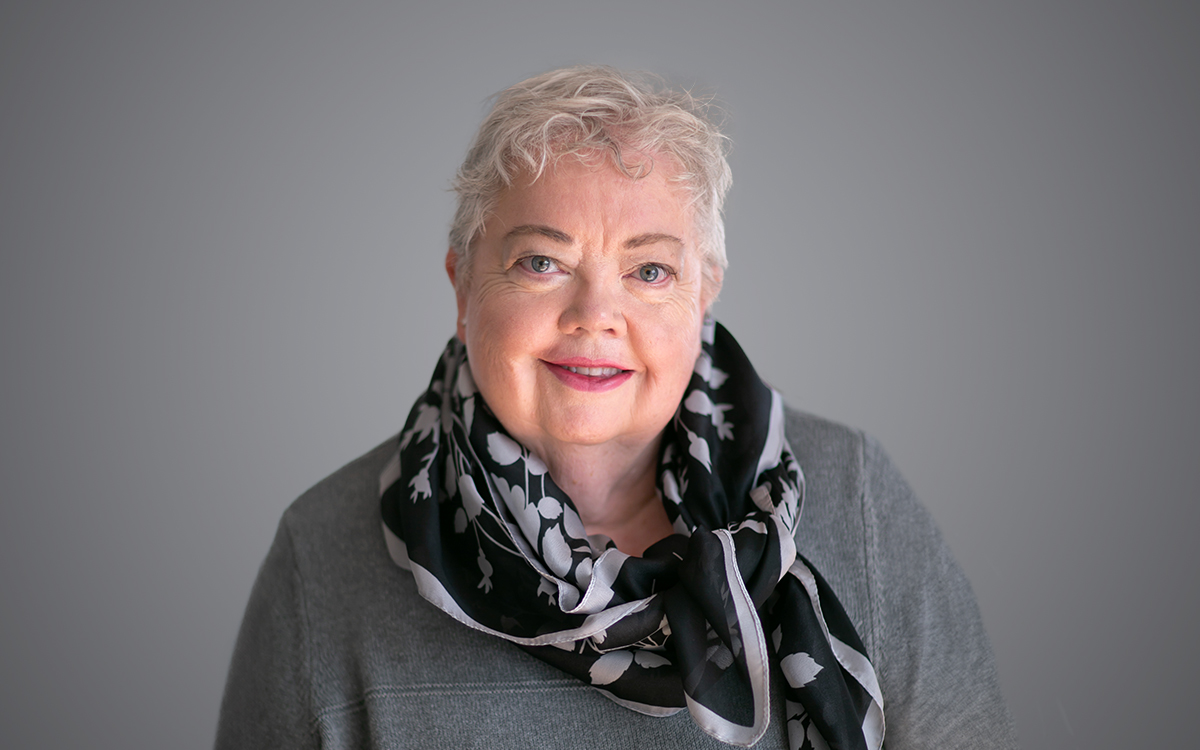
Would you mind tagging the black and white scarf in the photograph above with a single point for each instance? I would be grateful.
(695, 621)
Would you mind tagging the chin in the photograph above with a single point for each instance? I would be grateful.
(583, 432)
(595, 429)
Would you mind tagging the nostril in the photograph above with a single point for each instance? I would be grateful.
(587, 313)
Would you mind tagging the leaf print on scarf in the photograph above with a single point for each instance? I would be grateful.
(555, 552)
(573, 524)
(650, 660)
(583, 573)
(464, 383)
(534, 465)
(709, 374)
(513, 496)
(698, 449)
(548, 590)
(420, 483)
(671, 488)
(468, 410)
(504, 450)
(549, 508)
(472, 503)
(525, 513)
(800, 669)
(485, 567)
(428, 418)
(609, 667)
(698, 402)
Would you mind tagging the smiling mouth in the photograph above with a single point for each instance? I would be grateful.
(593, 372)
(590, 379)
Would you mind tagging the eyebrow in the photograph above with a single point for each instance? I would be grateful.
(557, 235)
(651, 238)
(540, 229)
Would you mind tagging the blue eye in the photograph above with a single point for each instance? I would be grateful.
(540, 264)
(650, 273)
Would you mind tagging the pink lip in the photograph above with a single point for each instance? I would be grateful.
(588, 383)
(585, 362)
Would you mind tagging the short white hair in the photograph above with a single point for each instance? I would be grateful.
(591, 112)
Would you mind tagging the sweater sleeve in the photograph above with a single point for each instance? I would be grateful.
(935, 664)
(266, 703)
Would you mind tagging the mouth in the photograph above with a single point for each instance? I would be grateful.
(590, 378)
(593, 372)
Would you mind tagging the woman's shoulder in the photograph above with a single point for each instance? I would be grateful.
(859, 520)
(834, 528)
(333, 533)
(347, 497)
(846, 469)
(831, 454)
(881, 551)
(830, 444)
(855, 498)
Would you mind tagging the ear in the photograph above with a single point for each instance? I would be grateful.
(452, 266)
(460, 294)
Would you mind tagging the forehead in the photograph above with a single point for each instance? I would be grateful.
(585, 195)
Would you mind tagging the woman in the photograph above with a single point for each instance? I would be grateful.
(597, 478)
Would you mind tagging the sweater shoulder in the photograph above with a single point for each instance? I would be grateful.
(339, 504)
(834, 529)
(820, 443)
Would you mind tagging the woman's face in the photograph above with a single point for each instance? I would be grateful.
(583, 306)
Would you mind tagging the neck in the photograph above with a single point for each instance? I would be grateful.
(613, 488)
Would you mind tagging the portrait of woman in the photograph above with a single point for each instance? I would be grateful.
(597, 478)
(624, 375)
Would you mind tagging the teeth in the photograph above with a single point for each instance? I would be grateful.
(594, 372)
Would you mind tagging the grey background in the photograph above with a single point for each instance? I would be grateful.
(968, 228)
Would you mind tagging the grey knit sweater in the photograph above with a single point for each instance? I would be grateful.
(337, 649)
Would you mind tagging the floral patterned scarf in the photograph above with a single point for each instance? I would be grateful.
(695, 622)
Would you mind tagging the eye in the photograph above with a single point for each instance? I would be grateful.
(540, 264)
(651, 273)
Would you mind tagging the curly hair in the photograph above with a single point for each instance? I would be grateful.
(595, 112)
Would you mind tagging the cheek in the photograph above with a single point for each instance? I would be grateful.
(675, 344)
(510, 316)
(502, 330)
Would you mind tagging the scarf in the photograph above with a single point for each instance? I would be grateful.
(696, 621)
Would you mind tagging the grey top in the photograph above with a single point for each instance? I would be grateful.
(338, 650)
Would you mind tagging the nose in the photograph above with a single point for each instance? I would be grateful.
(593, 306)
